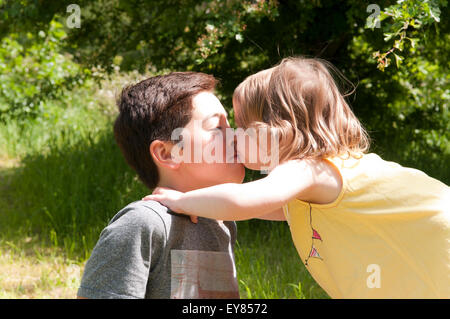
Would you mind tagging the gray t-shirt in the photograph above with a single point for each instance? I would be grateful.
(147, 251)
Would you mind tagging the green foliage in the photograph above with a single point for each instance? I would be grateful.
(227, 20)
(405, 108)
(404, 16)
(71, 179)
(33, 70)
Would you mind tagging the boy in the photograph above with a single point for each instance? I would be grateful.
(147, 251)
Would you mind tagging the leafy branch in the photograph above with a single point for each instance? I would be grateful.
(227, 19)
(404, 14)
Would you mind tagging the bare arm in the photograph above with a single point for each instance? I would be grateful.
(241, 201)
(277, 215)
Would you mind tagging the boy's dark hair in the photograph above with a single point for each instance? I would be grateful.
(150, 110)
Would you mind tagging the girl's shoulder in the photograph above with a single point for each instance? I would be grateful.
(326, 181)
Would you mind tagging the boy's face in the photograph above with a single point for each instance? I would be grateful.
(208, 163)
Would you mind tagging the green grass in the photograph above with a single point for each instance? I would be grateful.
(28, 270)
(268, 265)
(61, 189)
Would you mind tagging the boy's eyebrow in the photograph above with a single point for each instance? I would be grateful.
(214, 115)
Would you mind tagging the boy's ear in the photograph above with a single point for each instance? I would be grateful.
(160, 151)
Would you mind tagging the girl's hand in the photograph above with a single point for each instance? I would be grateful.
(169, 198)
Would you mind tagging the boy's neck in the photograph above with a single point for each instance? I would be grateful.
(180, 186)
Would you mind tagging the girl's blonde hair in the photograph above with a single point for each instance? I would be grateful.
(299, 100)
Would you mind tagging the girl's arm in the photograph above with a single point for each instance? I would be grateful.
(241, 201)
(277, 215)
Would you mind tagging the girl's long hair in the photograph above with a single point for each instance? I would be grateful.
(299, 100)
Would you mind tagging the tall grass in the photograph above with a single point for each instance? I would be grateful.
(71, 179)
(68, 194)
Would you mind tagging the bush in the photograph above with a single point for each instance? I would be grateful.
(33, 71)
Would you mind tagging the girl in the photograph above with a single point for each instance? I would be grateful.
(364, 227)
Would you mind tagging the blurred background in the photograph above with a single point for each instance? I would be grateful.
(62, 64)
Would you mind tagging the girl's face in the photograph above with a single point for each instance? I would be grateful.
(257, 149)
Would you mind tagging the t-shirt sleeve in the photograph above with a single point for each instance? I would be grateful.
(122, 259)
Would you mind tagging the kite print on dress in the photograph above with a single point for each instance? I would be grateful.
(315, 236)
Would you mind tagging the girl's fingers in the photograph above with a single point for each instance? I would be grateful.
(194, 219)
(161, 198)
(157, 190)
(161, 190)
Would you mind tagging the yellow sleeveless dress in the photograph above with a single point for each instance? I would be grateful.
(387, 235)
